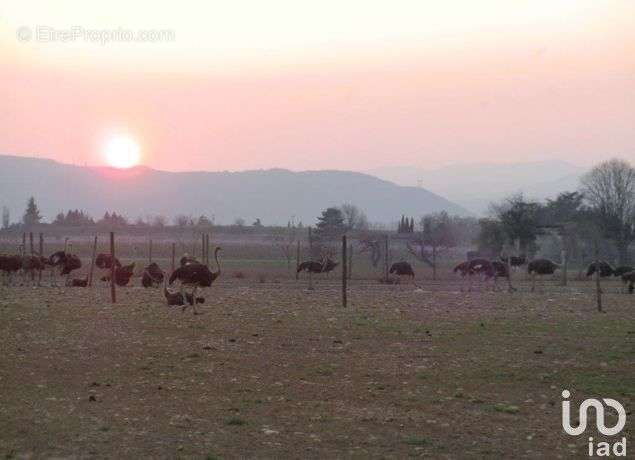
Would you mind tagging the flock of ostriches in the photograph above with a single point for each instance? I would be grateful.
(190, 274)
(195, 275)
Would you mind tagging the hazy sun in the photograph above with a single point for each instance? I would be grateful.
(122, 152)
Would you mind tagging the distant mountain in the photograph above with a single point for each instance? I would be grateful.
(272, 195)
(475, 186)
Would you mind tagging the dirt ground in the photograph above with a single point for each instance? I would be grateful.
(271, 370)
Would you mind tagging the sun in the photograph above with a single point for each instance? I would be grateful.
(122, 152)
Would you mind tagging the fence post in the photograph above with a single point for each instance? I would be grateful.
(350, 261)
(386, 259)
(150, 252)
(31, 249)
(310, 257)
(203, 256)
(565, 263)
(173, 256)
(344, 270)
(598, 287)
(92, 263)
(113, 295)
(297, 260)
(41, 250)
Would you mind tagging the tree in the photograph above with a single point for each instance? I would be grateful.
(258, 223)
(354, 218)
(436, 237)
(32, 214)
(285, 241)
(182, 221)
(239, 222)
(609, 188)
(6, 217)
(491, 237)
(519, 220)
(159, 221)
(330, 224)
(204, 221)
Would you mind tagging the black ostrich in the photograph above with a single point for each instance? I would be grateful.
(402, 269)
(195, 275)
(104, 261)
(152, 275)
(311, 266)
(10, 264)
(541, 267)
(463, 268)
(122, 274)
(605, 269)
(63, 262)
(630, 279)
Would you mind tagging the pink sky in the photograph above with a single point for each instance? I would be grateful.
(561, 85)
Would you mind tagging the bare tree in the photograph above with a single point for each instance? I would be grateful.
(354, 218)
(436, 237)
(6, 217)
(610, 190)
(285, 241)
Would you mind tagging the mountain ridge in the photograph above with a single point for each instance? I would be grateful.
(274, 195)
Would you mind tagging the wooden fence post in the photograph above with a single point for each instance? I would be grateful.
(173, 257)
(344, 271)
(150, 252)
(92, 263)
(297, 260)
(350, 261)
(32, 252)
(41, 251)
(386, 259)
(203, 256)
(113, 295)
(310, 257)
(24, 242)
(598, 286)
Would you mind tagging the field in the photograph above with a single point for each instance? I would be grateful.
(271, 370)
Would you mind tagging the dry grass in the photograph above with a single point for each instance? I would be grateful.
(271, 370)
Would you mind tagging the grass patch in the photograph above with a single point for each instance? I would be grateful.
(235, 421)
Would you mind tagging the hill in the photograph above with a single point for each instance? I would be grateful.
(272, 195)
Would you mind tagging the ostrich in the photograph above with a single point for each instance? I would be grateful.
(402, 268)
(620, 272)
(310, 266)
(176, 298)
(630, 279)
(196, 275)
(65, 263)
(186, 259)
(122, 274)
(605, 269)
(540, 267)
(10, 264)
(104, 261)
(152, 275)
(30, 265)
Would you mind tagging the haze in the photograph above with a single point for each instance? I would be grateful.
(326, 85)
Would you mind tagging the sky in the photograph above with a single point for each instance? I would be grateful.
(318, 85)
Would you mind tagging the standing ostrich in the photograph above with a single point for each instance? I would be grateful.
(605, 269)
(402, 268)
(630, 279)
(310, 266)
(152, 275)
(540, 267)
(10, 264)
(195, 275)
(122, 274)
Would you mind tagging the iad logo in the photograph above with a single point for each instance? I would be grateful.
(602, 449)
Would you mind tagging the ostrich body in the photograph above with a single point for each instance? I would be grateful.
(541, 267)
(195, 275)
(402, 269)
(630, 279)
(152, 275)
(10, 264)
(605, 269)
(104, 261)
(122, 274)
(312, 266)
